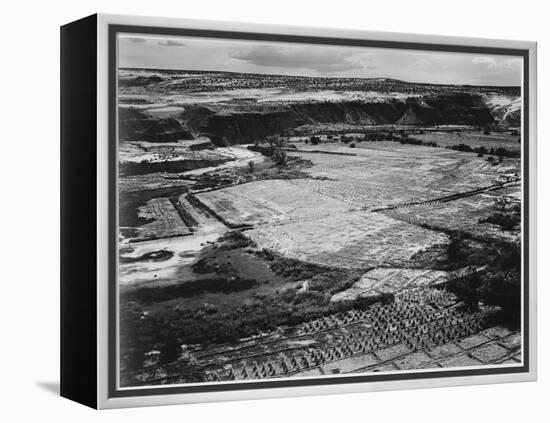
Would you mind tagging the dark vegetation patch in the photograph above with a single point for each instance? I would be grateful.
(493, 287)
(407, 137)
(414, 141)
(477, 137)
(231, 256)
(160, 255)
(131, 232)
(324, 279)
(497, 283)
(481, 151)
(508, 216)
(233, 240)
(234, 255)
(148, 296)
(432, 257)
(403, 137)
(134, 101)
(293, 169)
(139, 81)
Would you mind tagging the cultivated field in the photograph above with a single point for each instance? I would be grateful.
(387, 280)
(269, 202)
(467, 214)
(380, 174)
(354, 239)
(165, 220)
(408, 334)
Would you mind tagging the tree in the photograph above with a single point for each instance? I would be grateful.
(455, 247)
(251, 166)
(486, 130)
(467, 290)
(221, 142)
(507, 221)
(271, 140)
(280, 157)
(503, 289)
(481, 151)
(170, 349)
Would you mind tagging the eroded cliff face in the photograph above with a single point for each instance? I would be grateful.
(138, 126)
(239, 127)
(173, 166)
(236, 123)
(456, 109)
(247, 127)
(505, 108)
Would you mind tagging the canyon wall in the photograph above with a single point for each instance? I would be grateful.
(240, 127)
(138, 126)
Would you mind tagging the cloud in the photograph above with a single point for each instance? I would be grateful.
(497, 64)
(319, 60)
(300, 57)
(171, 43)
(490, 62)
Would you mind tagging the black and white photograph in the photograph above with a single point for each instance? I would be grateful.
(295, 210)
(277, 212)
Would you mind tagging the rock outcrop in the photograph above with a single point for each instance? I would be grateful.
(240, 127)
(138, 126)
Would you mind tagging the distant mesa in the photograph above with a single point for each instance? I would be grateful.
(234, 108)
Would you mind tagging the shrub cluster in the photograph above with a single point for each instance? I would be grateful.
(500, 151)
(498, 284)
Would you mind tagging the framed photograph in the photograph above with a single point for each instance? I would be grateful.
(254, 211)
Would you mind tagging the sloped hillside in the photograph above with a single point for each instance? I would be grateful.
(506, 109)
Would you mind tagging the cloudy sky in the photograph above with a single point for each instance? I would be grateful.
(186, 53)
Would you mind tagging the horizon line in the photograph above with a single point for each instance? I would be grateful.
(321, 77)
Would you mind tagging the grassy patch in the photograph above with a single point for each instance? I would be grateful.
(147, 296)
